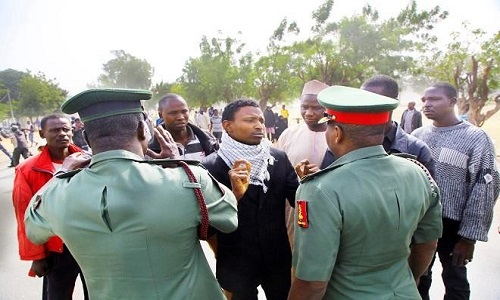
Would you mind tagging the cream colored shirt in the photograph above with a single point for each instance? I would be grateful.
(299, 143)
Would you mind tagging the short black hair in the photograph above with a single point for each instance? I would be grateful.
(166, 99)
(114, 131)
(387, 83)
(449, 90)
(45, 119)
(231, 109)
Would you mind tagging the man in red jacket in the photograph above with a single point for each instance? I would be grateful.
(52, 260)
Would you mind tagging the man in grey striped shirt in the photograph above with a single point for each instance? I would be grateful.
(468, 178)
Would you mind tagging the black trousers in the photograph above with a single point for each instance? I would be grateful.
(59, 282)
(275, 285)
(16, 155)
(454, 278)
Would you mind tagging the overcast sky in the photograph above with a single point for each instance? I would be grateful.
(70, 40)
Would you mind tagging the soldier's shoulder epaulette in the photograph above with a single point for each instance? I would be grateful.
(173, 163)
(431, 181)
(68, 174)
(319, 173)
(405, 155)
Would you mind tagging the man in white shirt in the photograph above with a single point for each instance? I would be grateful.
(305, 141)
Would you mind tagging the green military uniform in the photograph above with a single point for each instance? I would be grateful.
(132, 226)
(356, 219)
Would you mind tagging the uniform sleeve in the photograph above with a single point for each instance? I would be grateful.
(316, 247)
(221, 203)
(430, 226)
(38, 230)
(21, 195)
(484, 190)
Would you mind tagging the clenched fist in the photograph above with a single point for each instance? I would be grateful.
(240, 177)
(304, 167)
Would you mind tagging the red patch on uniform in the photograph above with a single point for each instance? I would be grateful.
(302, 218)
(38, 201)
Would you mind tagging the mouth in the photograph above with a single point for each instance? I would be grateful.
(258, 134)
(311, 120)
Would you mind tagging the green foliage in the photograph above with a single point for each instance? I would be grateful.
(161, 89)
(126, 71)
(39, 96)
(347, 51)
(220, 73)
(9, 80)
(471, 63)
(4, 111)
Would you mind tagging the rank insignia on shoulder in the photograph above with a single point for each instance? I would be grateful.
(38, 201)
(302, 218)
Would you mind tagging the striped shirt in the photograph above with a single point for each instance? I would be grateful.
(466, 173)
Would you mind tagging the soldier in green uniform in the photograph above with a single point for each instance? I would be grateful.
(131, 225)
(367, 226)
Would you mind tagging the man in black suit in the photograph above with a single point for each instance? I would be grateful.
(258, 252)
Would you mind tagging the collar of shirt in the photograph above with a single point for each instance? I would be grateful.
(358, 154)
(389, 137)
(114, 154)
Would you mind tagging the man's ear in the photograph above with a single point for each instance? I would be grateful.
(40, 132)
(143, 132)
(227, 125)
(339, 134)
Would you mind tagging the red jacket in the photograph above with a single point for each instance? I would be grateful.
(31, 175)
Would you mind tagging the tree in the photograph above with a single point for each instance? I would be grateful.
(273, 79)
(39, 96)
(10, 79)
(347, 51)
(220, 73)
(161, 89)
(473, 70)
(126, 71)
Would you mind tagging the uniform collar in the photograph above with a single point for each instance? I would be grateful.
(358, 154)
(115, 154)
(352, 156)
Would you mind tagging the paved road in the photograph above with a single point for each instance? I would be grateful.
(484, 272)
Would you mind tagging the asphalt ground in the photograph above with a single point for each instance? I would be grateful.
(484, 271)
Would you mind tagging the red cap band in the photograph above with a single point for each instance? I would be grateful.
(359, 118)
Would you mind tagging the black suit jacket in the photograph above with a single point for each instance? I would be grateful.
(261, 241)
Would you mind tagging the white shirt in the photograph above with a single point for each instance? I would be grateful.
(408, 120)
(299, 143)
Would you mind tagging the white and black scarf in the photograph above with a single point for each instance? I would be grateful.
(259, 157)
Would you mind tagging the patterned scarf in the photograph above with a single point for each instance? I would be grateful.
(259, 156)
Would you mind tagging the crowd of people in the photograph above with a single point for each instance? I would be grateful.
(348, 204)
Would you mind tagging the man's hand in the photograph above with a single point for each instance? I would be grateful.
(240, 177)
(304, 167)
(462, 253)
(40, 267)
(75, 161)
(167, 145)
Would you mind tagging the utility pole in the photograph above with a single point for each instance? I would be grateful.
(10, 105)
